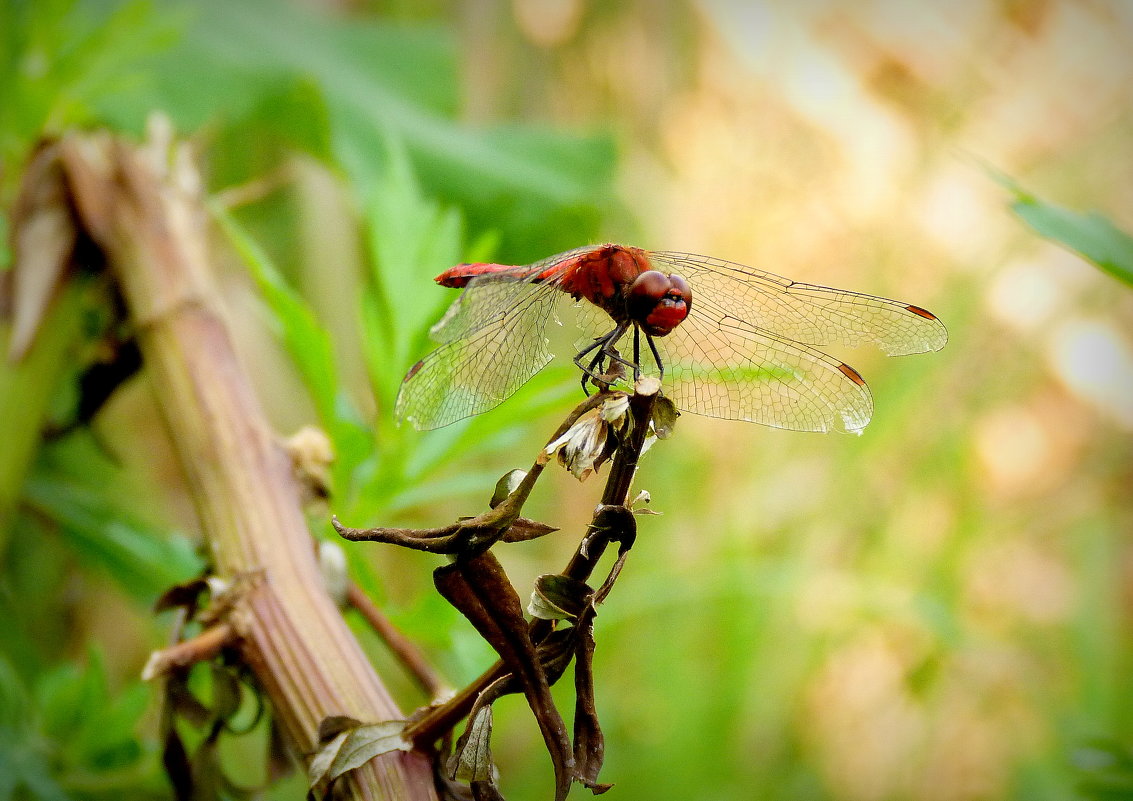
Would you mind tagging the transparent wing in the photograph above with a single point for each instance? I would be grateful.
(485, 301)
(490, 296)
(815, 315)
(493, 344)
(737, 372)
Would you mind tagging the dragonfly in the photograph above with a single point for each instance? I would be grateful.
(726, 340)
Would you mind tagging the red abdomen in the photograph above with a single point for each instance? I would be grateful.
(596, 273)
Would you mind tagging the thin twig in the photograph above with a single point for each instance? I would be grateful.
(402, 647)
(201, 648)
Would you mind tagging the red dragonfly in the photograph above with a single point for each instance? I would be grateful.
(727, 340)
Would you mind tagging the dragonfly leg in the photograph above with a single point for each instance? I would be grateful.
(637, 352)
(656, 356)
(588, 372)
(605, 347)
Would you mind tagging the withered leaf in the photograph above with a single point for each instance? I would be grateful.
(182, 703)
(558, 597)
(589, 743)
(556, 652)
(486, 791)
(353, 747)
(175, 759)
(44, 235)
(665, 416)
(333, 725)
(279, 763)
(507, 484)
(524, 529)
(480, 589)
(185, 595)
(472, 759)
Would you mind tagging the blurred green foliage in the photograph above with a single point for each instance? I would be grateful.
(375, 103)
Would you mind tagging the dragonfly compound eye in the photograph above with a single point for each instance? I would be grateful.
(658, 302)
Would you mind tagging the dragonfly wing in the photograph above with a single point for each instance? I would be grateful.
(479, 367)
(485, 301)
(735, 371)
(490, 295)
(815, 315)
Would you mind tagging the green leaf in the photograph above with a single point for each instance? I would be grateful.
(25, 761)
(1089, 234)
(382, 83)
(93, 728)
(309, 345)
(143, 560)
(60, 60)
(411, 240)
(305, 339)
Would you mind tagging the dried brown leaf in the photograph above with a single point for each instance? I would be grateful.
(589, 743)
(524, 529)
(558, 597)
(480, 589)
(471, 761)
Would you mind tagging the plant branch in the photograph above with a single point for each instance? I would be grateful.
(201, 648)
(438, 720)
(141, 205)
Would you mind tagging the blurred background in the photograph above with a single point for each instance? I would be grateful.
(938, 609)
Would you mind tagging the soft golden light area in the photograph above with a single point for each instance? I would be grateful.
(548, 22)
(1095, 361)
(1015, 451)
(865, 726)
(1015, 580)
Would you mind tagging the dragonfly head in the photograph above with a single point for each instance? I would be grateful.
(658, 302)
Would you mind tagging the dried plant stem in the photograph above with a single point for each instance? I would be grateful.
(618, 485)
(442, 718)
(142, 206)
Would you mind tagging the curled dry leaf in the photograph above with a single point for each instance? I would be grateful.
(486, 791)
(480, 589)
(558, 597)
(524, 529)
(472, 759)
(507, 484)
(593, 438)
(186, 595)
(589, 743)
(353, 747)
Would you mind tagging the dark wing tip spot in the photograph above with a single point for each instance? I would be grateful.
(851, 374)
(413, 370)
(925, 313)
